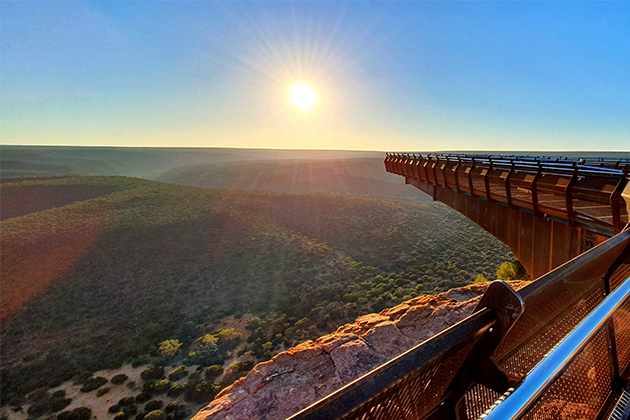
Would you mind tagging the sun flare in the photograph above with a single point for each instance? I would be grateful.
(302, 96)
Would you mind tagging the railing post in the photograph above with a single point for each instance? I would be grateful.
(508, 187)
(568, 193)
(486, 182)
(457, 177)
(470, 181)
(614, 205)
(534, 189)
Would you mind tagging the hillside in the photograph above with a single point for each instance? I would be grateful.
(105, 269)
(356, 176)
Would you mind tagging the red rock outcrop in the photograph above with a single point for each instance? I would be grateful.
(298, 377)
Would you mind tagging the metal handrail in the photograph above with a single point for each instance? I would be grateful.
(551, 367)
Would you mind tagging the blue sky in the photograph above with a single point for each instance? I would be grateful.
(411, 76)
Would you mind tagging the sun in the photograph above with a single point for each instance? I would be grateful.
(302, 96)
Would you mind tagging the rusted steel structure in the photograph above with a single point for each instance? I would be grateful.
(546, 210)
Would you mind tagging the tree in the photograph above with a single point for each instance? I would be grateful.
(480, 279)
(169, 347)
(507, 271)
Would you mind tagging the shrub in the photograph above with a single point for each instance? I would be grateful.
(48, 406)
(178, 373)
(81, 413)
(126, 401)
(176, 390)
(169, 348)
(156, 372)
(131, 385)
(480, 279)
(147, 386)
(93, 383)
(119, 379)
(102, 391)
(59, 394)
(114, 409)
(153, 405)
(176, 411)
(161, 387)
(155, 415)
(82, 377)
(213, 371)
(121, 416)
(144, 396)
(140, 361)
(130, 410)
(507, 271)
(204, 392)
(38, 394)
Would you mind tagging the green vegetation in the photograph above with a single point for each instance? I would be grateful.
(119, 379)
(156, 268)
(80, 413)
(93, 383)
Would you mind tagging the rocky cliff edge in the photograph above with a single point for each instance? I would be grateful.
(298, 377)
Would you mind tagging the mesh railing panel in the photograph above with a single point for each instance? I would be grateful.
(478, 400)
(546, 321)
(622, 335)
(412, 398)
(619, 276)
(582, 389)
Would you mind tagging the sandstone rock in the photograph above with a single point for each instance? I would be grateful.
(355, 358)
(330, 342)
(387, 340)
(370, 320)
(296, 378)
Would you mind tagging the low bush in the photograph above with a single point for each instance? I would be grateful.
(126, 401)
(143, 397)
(102, 391)
(155, 415)
(38, 394)
(93, 383)
(178, 373)
(82, 377)
(48, 406)
(140, 361)
(81, 413)
(156, 372)
(176, 390)
(153, 405)
(213, 371)
(119, 379)
(130, 410)
(121, 416)
(161, 387)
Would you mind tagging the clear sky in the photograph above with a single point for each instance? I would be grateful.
(409, 76)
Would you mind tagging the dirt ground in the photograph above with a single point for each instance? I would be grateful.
(100, 405)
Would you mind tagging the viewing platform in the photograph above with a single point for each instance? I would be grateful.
(559, 206)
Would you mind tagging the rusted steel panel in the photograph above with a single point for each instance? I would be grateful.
(560, 244)
(542, 240)
(526, 241)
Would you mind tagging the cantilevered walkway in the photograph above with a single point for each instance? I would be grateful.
(547, 210)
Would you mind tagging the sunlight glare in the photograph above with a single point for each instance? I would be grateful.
(303, 96)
